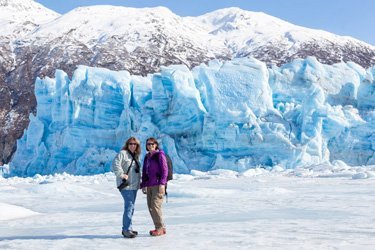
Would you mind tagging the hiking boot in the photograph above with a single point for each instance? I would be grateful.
(134, 232)
(158, 232)
(153, 231)
(128, 234)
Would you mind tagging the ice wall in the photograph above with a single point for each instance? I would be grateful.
(234, 115)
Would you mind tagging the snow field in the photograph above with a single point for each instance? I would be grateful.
(214, 210)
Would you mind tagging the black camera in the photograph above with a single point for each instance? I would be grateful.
(124, 184)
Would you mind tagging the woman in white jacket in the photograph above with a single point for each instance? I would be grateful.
(126, 167)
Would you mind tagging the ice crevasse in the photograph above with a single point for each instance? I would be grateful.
(225, 115)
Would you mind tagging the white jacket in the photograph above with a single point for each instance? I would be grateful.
(120, 166)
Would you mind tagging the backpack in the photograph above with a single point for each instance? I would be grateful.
(170, 174)
(170, 168)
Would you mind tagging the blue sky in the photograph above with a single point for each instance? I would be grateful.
(354, 18)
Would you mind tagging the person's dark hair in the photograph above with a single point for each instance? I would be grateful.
(137, 150)
(152, 140)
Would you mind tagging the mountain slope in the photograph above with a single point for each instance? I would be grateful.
(17, 17)
(273, 40)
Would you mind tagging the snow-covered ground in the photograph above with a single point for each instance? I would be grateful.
(322, 208)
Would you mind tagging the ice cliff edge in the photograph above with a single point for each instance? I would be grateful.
(235, 115)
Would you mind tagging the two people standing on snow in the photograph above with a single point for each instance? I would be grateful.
(126, 167)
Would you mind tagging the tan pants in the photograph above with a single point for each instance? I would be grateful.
(154, 202)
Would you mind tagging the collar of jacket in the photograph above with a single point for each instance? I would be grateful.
(156, 152)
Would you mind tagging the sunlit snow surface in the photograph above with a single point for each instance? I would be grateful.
(322, 208)
(226, 115)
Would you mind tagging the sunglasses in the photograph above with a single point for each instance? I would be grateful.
(132, 143)
(150, 144)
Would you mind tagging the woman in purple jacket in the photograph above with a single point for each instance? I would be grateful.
(154, 178)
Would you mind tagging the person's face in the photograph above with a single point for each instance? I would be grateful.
(151, 146)
(132, 146)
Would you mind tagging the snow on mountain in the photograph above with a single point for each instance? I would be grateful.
(255, 33)
(25, 10)
(226, 32)
(18, 17)
(233, 115)
(232, 30)
(246, 28)
(139, 40)
(238, 28)
(97, 24)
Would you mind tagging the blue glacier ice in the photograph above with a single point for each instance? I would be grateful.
(234, 115)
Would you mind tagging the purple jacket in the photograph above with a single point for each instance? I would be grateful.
(155, 169)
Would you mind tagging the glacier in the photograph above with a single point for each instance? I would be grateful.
(235, 115)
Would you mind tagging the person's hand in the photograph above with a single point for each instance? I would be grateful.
(161, 189)
(144, 190)
(125, 176)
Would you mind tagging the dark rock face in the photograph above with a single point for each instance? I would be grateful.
(358, 53)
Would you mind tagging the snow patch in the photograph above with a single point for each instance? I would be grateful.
(11, 212)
